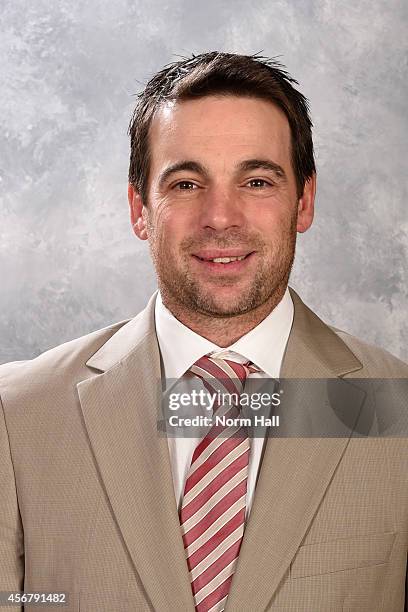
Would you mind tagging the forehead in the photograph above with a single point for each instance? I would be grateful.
(219, 126)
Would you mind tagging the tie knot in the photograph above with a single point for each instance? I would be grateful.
(230, 373)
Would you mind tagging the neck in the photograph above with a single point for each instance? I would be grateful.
(223, 331)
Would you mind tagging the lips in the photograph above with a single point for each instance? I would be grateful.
(225, 260)
(222, 257)
(221, 264)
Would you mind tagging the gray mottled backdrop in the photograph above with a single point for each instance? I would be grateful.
(69, 262)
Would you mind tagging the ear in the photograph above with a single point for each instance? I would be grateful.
(136, 213)
(306, 205)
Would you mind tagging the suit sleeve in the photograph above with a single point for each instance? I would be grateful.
(406, 588)
(11, 531)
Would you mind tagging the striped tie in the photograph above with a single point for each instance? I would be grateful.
(212, 514)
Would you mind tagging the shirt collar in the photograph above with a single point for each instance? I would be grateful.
(264, 345)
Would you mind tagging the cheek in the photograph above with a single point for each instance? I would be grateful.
(169, 230)
(271, 220)
(157, 219)
(176, 224)
(286, 210)
(274, 227)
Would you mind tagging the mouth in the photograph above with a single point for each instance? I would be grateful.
(223, 262)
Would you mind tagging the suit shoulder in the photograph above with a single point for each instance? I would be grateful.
(61, 359)
(377, 362)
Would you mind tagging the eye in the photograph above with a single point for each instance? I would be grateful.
(259, 183)
(185, 186)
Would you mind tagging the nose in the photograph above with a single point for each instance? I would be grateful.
(221, 209)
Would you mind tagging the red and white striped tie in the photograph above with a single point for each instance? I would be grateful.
(212, 514)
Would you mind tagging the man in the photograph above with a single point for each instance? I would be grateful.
(96, 502)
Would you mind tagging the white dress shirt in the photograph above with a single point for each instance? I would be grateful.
(180, 347)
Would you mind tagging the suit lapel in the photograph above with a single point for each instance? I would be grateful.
(295, 471)
(120, 409)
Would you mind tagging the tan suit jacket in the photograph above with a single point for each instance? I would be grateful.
(87, 502)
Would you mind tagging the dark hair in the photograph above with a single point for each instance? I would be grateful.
(218, 73)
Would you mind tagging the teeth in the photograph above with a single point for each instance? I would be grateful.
(226, 260)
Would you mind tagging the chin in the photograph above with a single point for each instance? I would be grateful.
(216, 305)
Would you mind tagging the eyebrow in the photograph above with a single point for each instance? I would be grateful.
(189, 165)
(244, 166)
(264, 164)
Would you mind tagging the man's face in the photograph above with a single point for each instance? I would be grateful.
(221, 186)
